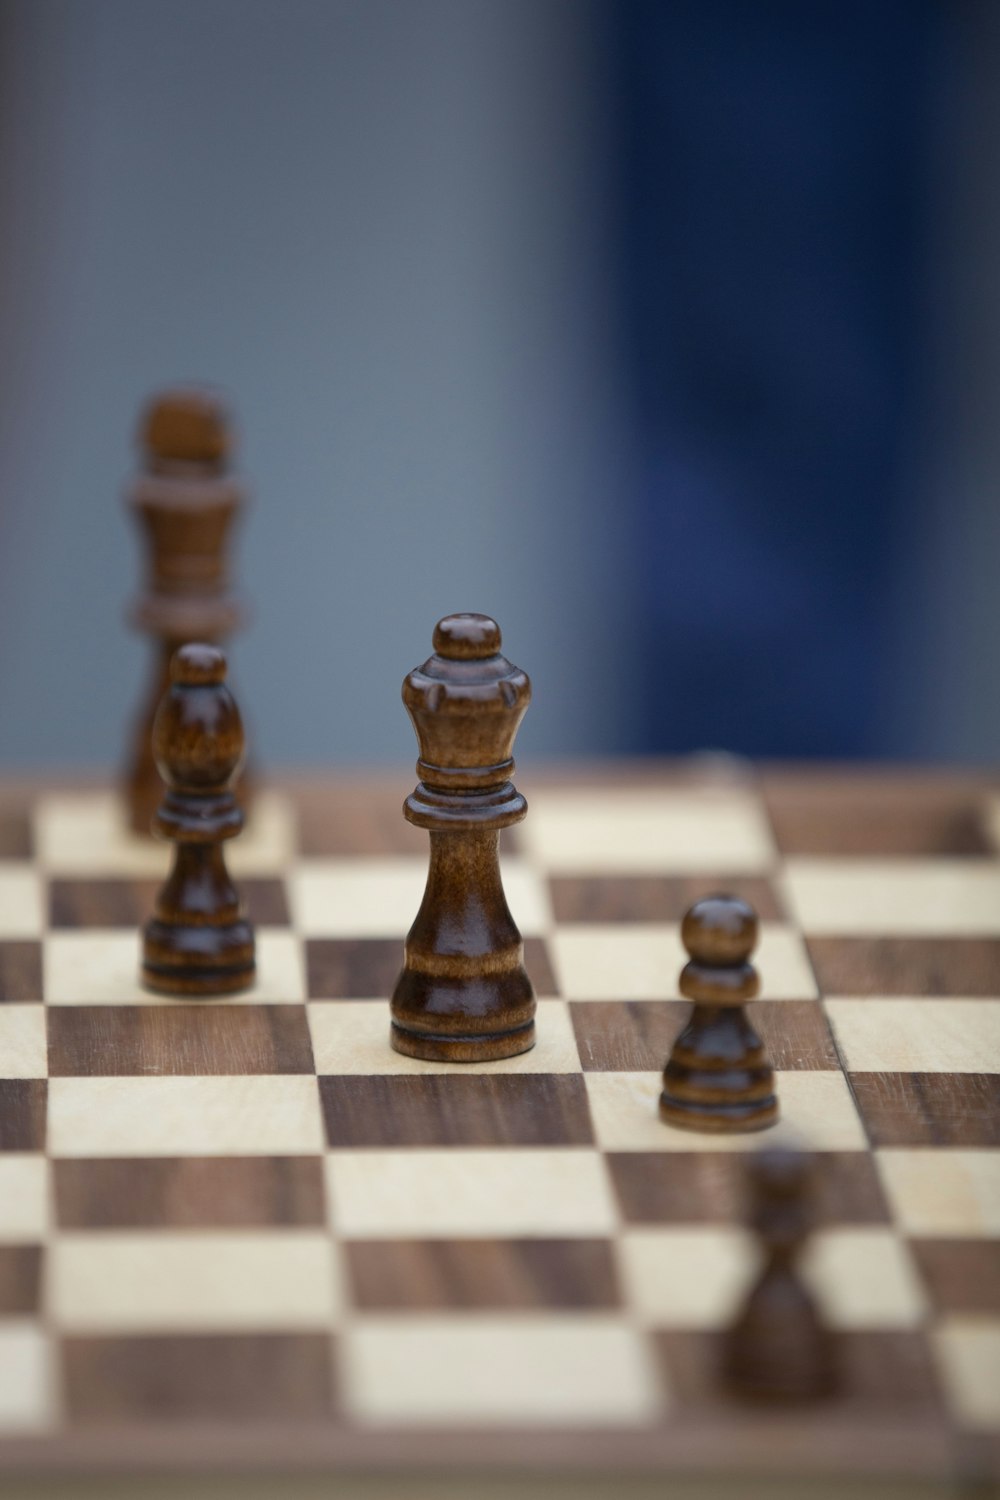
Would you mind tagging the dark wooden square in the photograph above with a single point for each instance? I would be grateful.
(653, 898)
(104, 1040)
(911, 817)
(20, 1280)
(622, 1036)
(214, 1192)
(961, 1276)
(20, 971)
(367, 968)
(129, 903)
(906, 966)
(446, 1275)
(878, 1369)
(456, 1109)
(267, 1377)
(22, 1114)
(929, 1109)
(352, 968)
(709, 1187)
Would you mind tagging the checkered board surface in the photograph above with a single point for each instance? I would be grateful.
(252, 1220)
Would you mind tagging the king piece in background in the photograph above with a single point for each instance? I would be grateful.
(185, 500)
(463, 994)
(198, 941)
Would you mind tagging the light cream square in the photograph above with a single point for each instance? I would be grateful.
(685, 1276)
(169, 1282)
(943, 1192)
(492, 1371)
(24, 1198)
(352, 1036)
(968, 1353)
(643, 830)
(381, 897)
(23, 1046)
(697, 1276)
(22, 908)
(158, 1116)
(895, 897)
(643, 961)
(817, 1111)
(86, 833)
(918, 1036)
(468, 1193)
(864, 1278)
(27, 1381)
(101, 967)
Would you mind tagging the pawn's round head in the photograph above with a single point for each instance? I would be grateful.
(189, 425)
(196, 664)
(467, 637)
(720, 930)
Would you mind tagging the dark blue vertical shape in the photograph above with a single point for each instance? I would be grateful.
(774, 200)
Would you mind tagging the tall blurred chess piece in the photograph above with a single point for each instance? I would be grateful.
(185, 501)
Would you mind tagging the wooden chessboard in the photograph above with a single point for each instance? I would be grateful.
(246, 1233)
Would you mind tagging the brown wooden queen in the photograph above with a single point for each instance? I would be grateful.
(463, 994)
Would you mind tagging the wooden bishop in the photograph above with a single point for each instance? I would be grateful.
(463, 994)
(717, 1076)
(185, 502)
(199, 941)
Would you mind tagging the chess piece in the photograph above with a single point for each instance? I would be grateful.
(717, 1076)
(778, 1348)
(198, 941)
(463, 994)
(185, 502)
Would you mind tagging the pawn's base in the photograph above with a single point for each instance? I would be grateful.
(723, 1117)
(484, 1047)
(193, 961)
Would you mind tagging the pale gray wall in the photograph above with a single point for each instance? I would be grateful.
(381, 226)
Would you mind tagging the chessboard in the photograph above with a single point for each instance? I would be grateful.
(245, 1234)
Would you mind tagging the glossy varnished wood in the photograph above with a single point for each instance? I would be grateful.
(717, 1076)
(464, 994)
(185, 502)
(199, 940)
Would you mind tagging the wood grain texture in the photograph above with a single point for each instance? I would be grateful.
(366, 968)
(456, 1109)
(133, 1040)
(653, 898)
(929, 1109)
(709, 1187)
(213, 1192)
(438, 1275)
(905, 966)
(623, 1036)
(23, 1114)
(20, 970)
(286, 1376)
(127, 903)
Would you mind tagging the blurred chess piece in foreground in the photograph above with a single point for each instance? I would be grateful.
(778, 1349)
(185, 501)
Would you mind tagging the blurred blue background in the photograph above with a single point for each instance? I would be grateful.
(666, 332)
